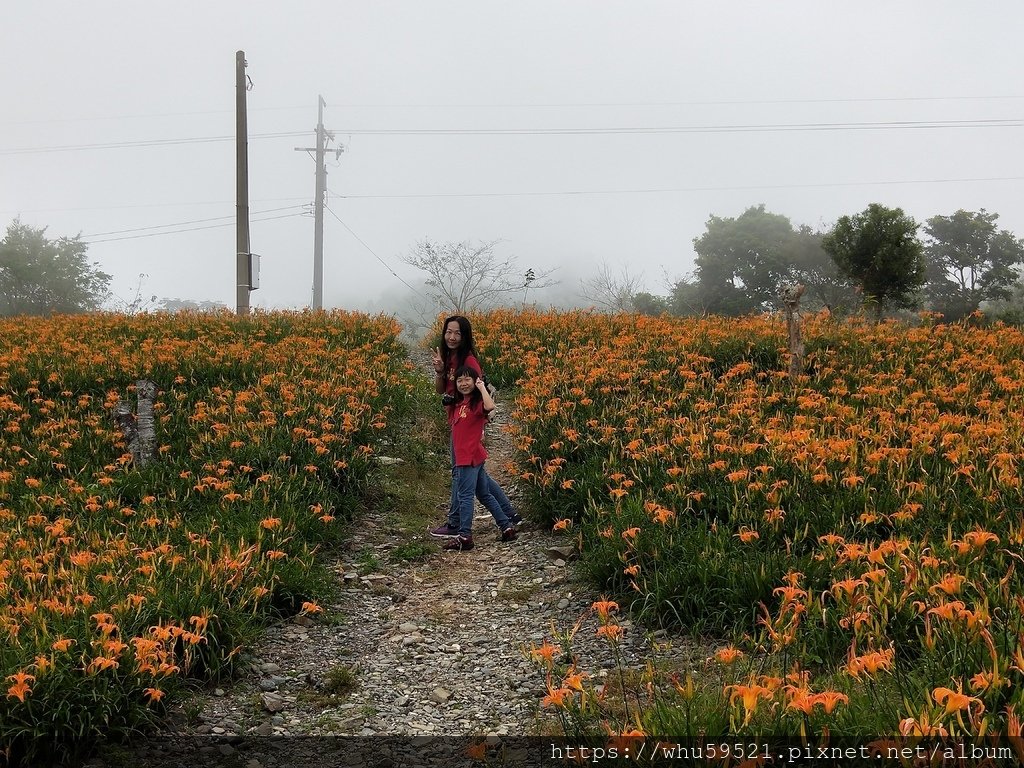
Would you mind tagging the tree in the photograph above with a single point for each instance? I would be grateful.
(968, 261)
(465, 276)
(645, 303)
(609, 292)
(1011, 309)
(826, 287)
(39, 276)
(686, 299)
(742, 263)
(878, 249)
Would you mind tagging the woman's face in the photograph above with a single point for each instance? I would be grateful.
(465, 384)
(453, 334)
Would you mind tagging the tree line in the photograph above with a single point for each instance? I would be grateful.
(43, 276)
(879, 260)
(874, 260)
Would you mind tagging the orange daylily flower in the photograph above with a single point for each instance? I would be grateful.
(546, 652)
(153, 694)
(729, 655)
(749, 695)
(604, 608)
(956, 701)
(870, 663)
(556, 697)
(21, 687)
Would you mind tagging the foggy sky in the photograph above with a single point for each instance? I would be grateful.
(692, 74)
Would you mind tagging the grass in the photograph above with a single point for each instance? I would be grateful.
(411, 552)
(341, 679)
(367, 562)
(519, 594)
(405, 496)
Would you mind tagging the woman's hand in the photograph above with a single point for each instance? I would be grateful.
(437, 360)
(480, 385)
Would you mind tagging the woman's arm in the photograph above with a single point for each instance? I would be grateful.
(440, 385)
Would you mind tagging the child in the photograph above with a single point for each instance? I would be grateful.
(467, 418)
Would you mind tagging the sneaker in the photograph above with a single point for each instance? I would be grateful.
(444, 532)
(459, 544)
(515, 518)
(509, 534)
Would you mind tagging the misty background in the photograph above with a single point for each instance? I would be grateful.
(578, 134)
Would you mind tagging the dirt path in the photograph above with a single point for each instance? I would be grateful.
(410, 650)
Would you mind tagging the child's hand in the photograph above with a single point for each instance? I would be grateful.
(480, 385)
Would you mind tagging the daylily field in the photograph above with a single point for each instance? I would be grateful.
(117, 583)
(846, 545)
(849, 542)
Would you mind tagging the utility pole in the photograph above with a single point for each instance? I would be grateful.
(243, 279)
(322, 137)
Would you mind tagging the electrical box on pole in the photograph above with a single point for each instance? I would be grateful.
(254, 271)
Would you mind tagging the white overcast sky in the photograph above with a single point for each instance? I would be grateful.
(115, 74)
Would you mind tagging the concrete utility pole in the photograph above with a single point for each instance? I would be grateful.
(243, 280)
(322, 137)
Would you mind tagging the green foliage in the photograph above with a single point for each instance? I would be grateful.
(969, 261)
(267, 427)
(1009, 310)
(826, 286)
(742, 263)
(878, 249)
(686, 299)
(649, 304)
(39, 276)
(340, 679)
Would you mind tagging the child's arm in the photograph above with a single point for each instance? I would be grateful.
(488, 401)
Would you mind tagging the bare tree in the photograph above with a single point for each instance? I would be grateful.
(466, 276)
(138, 304)
(610, 292)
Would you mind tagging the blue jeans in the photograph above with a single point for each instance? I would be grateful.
(492, 489)
(474, 482)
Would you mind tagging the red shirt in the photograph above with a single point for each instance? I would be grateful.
(467, 423)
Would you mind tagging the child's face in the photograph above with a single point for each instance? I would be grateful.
(465, 384)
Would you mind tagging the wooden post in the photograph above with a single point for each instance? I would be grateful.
(791, 297)
(146, 392)
(139, 429)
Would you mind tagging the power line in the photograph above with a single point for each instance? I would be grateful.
(718, 102)
(144, 143)
(191, 229)
(183, 223)
(675, 189)
(765, 128)
(151, 205)
(533, 105)
(753, 128)
(150, 115)
(378, 258)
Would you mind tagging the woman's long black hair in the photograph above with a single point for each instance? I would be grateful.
(465, 348)
(474, 396)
